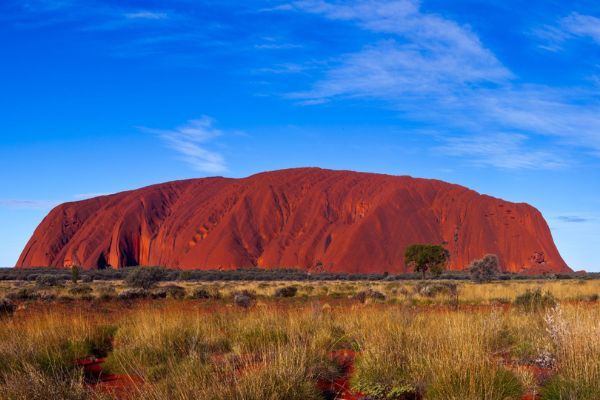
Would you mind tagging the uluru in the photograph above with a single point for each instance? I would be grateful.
(340, 221)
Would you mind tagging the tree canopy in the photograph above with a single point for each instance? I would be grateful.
(426, 258)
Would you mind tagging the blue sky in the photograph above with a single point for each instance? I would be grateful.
(103, 96)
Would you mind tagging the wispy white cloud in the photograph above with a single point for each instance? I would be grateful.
(23, 204)
(191, 142)
(100, 16)
(573, 26)
(506, 151)
(274, 43)
(404, 18)
(285, 68)
(146, 15)
(84, 196)
(276, 46)
(582, 26)
(425, 55)
(439, 72)
(573, 219)
(35, 204)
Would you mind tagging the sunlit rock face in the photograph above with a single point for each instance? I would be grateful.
(301, 218)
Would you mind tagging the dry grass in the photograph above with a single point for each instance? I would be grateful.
(279, 349)
(396, 291)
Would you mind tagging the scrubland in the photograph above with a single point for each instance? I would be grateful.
(408, 340)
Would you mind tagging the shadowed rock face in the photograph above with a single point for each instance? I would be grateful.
(309, 218)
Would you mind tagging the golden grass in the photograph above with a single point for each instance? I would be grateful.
(396, 291)
(279, 349)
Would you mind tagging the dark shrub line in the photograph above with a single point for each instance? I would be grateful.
(244, 274)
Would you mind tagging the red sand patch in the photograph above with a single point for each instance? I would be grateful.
(541, 375)
(339, 389)
(121, 386)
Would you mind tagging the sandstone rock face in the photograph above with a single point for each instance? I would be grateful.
(303, 218)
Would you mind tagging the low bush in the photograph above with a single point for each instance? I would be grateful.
(371, 294)
(158, 294)
(47, 296)
(287, 291)
(202, 293)
(244, 298)
(593, 297)
(175, 292)
(535, 300)
(434, 289)
(23, 294)
(66, 298)
(134, 294)
(145, 277)
(486, 269)
(106, 292)
(99, 343)
(7, 307)
(48, 280)
(80, 290)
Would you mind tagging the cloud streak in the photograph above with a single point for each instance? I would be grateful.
(439, 73)
(573, 219)
(146, 15)
(505, 151)
(427, 54)
(85, 196)
(191, 141)
(100, 17)
(573, 26)
(23, 204)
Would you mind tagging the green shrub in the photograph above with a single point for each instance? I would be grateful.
(364, 295)
(244, 298)
(7, 307)
(175, 292)
(434, 289)
(134, 294)
(287, 291)
(100, 342)
(106, 292)
(47, 296)
(202, 293)
(486, 269)
(170, 291)
(65, 298)
(81, 290)
(535, 300)
(145, 277)
(185, 275)
(47, 280)
(23, 294)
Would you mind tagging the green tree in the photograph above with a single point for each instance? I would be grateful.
(74, 274)
(425, 258)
